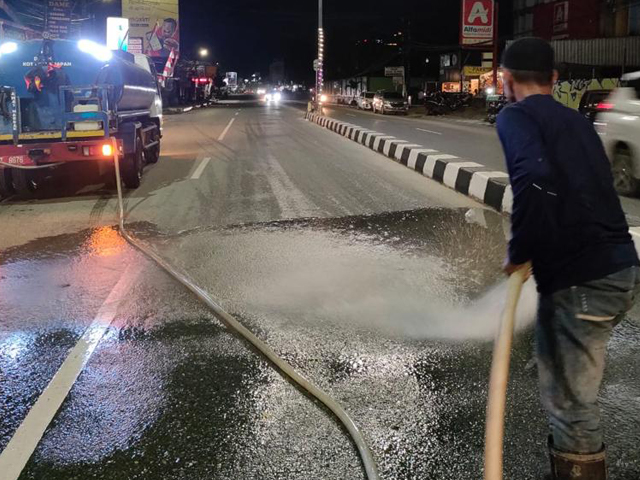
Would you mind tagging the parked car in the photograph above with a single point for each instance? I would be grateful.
(590, 101)
(365, 100)
(390, 102)
(618, 123)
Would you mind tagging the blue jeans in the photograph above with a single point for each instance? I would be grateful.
(573, 329)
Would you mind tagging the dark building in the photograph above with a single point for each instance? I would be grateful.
(277, 72)
(576, 19)
(592, 38)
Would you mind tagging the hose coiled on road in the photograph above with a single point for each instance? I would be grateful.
(364, 451)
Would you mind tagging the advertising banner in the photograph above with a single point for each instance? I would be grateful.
(560, 18)
(394, 72)
(232, 79)
(58, 18)
(118, 33)
(154, 27)
(476, 27)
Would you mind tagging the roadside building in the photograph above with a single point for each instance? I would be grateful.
(596, 41)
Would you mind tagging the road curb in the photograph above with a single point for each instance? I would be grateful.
(464, 176)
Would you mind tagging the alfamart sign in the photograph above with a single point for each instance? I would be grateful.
(477, 25)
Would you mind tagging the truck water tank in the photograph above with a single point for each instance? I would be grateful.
(77, 63)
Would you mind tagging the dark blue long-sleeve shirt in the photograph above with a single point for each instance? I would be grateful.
(567, 218)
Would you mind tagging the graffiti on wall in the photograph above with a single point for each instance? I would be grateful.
(570, 92)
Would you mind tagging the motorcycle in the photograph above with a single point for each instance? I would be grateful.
(494, 107)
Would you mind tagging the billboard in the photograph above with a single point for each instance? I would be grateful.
(476, 27)
(232, 79)
(154, 27)
(58, 18)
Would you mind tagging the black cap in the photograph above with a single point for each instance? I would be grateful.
(530, 54)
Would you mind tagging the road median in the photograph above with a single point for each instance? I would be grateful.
(465, 176)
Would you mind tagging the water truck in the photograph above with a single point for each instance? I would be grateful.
(65, 101)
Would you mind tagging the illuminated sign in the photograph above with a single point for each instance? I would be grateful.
(118, 33)
(477, 22)
(154, 27)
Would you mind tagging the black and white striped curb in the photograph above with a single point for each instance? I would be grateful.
(469, 178)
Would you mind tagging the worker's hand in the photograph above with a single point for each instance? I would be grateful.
(510, 268)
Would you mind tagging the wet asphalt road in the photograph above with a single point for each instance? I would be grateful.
(471, 141)
(367, 278)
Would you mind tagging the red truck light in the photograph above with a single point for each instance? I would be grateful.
(107, 150)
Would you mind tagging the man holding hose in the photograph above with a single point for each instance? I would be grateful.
(567, 220)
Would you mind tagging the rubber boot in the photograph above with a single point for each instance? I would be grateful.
(573, 466)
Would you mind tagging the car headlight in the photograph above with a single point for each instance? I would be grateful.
(387, 104)
(267, 97)
(277, 97)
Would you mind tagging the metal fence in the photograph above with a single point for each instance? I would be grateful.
(603, 52)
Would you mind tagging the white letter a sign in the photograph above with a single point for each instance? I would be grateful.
(478, 11)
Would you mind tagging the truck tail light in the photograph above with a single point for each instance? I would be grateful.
(107, 150)
(605, 106)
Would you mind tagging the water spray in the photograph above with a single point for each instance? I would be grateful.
(364, 451)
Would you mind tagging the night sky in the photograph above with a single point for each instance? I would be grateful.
(247, 35)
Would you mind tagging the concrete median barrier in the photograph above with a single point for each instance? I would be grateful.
(463, 175)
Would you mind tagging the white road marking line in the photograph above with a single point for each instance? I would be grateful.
(226, 130)
(429, 131)
(26, 438)
(203, 164)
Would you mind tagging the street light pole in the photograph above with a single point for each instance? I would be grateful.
(496, 47)
(320, 72)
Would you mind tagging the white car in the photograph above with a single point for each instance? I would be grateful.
(618, 123)
(365, 100)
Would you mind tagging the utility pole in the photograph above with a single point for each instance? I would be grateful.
(320, 72)
(406, 50)
(496, 49)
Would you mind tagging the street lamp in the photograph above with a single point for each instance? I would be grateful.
(320, 72)
(203, 52)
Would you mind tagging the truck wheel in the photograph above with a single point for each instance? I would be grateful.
(152, 155)
(6, 184)
(132, 166)
(23, 181)
(622, 169)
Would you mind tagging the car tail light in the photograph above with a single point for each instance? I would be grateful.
(605, 106)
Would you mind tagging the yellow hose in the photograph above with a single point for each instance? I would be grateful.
(366, 456)
(494, 433)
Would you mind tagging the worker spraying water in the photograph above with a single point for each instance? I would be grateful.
(568, 222)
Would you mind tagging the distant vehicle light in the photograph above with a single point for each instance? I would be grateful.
(323, 98)
(261, 91)
(100, 52)
(107, 150)
(277, 96)
(268, 97)
(491, 91)
(8, 47)
(605, 106)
